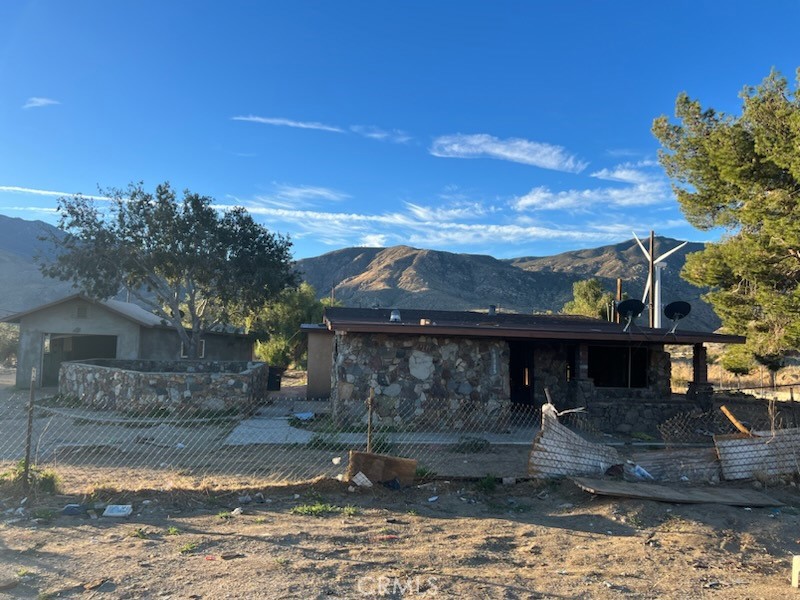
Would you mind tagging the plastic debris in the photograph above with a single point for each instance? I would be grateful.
(433, 498)
(362, 480)
(74, 509)
(392, 484)
(118, 510)
(304, 416)
(337, 460)
(237, 511)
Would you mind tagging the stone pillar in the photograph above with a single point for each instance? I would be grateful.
(699, 390)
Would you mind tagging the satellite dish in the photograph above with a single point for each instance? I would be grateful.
(675, 311)
(630, 309)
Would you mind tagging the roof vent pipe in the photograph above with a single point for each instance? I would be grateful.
(492, 310)
(395, 316)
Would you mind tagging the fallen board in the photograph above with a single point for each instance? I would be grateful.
(661, 493)
(380, 468)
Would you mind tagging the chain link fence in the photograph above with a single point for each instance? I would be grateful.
(287, 439)
(283, 440)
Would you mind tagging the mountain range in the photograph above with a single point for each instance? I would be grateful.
(402, 276)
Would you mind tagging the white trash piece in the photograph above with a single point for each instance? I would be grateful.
(362, 480)
(118, 510)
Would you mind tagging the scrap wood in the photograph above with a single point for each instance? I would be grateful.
(381, 467)
(769, 453)
(735, 421)
(661, 493)
(557, 451)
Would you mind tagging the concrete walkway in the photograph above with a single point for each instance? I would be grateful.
(267, 427)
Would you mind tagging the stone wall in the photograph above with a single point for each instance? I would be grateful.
(143, 386)
(626, 416)
(422, 382)
(550, 371)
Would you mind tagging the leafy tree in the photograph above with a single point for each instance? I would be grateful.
(737, 360)
(194, 266)
(9, 341)
(281, 321)
(742, 173)
(589, 299)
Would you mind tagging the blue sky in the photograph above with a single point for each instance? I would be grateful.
(503, 128)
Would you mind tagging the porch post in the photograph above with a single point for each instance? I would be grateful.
(699, 364)
(700, 391)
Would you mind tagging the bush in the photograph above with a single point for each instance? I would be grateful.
(39, 480)
(276, 351)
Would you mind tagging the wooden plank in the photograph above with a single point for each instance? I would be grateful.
(660, 493)
(734, 420)
(380, 468)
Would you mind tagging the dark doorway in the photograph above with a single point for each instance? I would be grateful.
(60, 348)
(520, 372)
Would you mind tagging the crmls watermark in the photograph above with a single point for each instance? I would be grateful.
(391, 586)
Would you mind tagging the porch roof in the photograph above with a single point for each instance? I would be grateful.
(509, 325)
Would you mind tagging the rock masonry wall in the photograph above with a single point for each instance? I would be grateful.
(422, 382)
(178, 387)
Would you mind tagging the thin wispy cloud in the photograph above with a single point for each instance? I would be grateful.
(642, 194)
(13, 189)
(280, 122)
(454, 212)
(38, 102)
(395, 136)
(309, 192)
(482, 145)
(416, 225)
(33, 209)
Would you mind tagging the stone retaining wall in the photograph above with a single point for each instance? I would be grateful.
(142, 386)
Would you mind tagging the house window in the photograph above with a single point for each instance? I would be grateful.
(82, 311)
(619, 367)
(201, 354)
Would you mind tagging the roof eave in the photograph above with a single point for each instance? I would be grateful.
(655, 336)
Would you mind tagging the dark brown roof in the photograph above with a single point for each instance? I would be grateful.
(508, 325)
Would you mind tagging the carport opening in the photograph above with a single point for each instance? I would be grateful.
(60, 347)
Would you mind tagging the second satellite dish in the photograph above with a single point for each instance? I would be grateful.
(675, 311)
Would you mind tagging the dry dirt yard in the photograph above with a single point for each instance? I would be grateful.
(443, 540)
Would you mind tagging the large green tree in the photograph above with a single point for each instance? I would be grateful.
(194, 266)
(741, 173)
(589, 299)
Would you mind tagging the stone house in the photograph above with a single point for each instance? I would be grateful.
(476, 370)
(79, 328)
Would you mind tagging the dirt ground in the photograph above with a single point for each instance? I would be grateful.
(441, 540)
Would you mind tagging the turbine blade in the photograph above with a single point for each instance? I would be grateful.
(646, 289)
(666, 254)
(638, 241)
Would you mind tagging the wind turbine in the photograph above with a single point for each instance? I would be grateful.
(654, 274)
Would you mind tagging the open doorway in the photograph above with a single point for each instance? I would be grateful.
(58, 348)
(521, 373)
